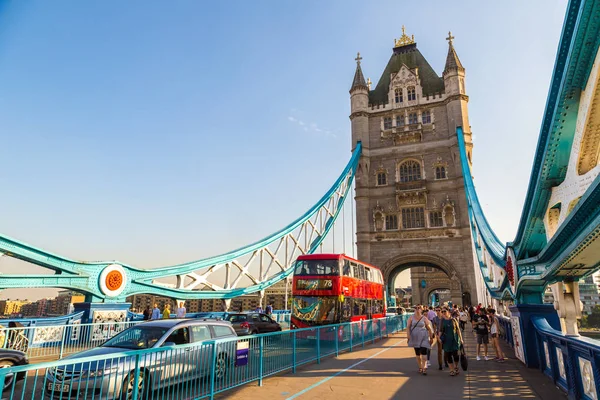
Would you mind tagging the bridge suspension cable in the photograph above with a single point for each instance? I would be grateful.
(489, 251)
(249, 269)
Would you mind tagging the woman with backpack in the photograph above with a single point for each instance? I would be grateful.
(452, 340)
(420, 336)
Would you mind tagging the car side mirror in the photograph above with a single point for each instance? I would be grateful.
(168, 344)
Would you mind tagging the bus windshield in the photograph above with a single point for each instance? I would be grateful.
(315, 309)
(317, 267)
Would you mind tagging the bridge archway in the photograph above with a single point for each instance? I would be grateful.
(460, 290)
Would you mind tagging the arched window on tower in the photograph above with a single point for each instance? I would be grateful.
(381, 179)
(412, 118)
(411, 94)
(399, 120)
(387, 123)
(398, 95)
(440, 172)
(410, 171)
(391, 222)
(426, 117)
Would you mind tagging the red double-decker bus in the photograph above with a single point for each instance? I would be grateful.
(334, 288)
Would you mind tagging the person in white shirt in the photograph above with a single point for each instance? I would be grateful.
(181, 310)
(463, 318)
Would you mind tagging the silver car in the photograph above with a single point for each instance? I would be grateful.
(113, 377)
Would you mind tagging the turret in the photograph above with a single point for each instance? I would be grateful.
(359, 103)
(454, 85)
(454, 72)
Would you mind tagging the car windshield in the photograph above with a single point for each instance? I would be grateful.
(236, 318)
(315, 309)
(317, 267)
(137, 337)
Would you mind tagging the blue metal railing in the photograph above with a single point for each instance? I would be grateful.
(198, 370)
(571, 362)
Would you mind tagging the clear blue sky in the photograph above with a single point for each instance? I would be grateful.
(160, 132)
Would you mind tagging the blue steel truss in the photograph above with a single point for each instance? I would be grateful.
(572, 251)
(246, 270)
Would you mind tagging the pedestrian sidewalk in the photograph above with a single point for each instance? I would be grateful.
(388, 370)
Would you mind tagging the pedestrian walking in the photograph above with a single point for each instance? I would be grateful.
(463, 317)
(166, 312)
(155, 312)
(482, 330)
(437, 326)
(269, 309)
(452, 340)
(420, 336)
(181, 310)
(494, 333)
(147, 313)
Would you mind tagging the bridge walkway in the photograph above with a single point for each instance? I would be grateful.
(387, 370)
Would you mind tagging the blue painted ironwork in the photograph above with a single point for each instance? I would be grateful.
(188, 371)
(537, 261)
(571, 362)
(577, 49)
(257, 266)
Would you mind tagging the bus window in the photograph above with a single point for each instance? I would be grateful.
(317, 267)
(356, 270)
(368, 275)
(347, 268)
(361, 270)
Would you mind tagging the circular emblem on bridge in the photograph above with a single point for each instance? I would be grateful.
(113, 280)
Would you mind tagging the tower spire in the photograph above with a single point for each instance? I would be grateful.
(452, 61)
(359, 78)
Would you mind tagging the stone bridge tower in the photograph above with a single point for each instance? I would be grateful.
(411, 209)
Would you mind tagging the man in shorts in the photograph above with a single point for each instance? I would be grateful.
(482, 324)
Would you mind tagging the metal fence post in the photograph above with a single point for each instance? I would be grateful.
(213, 363)
(351, 334)
(337, 331)
(260, 365)
(294, 353)
(2, 376)
(318, 346)
(62, 342)
(136, 378)
(362, 332)
(372, 332)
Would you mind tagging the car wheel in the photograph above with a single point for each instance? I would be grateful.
(221, 367)
(9, 378)
(143, 386)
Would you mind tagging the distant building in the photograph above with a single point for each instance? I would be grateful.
(275, 295)
(12, 307)
(589, 293)
(60, 304)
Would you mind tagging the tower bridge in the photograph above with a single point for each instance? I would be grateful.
(416, 207)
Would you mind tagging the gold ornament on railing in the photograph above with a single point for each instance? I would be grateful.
(404, 40)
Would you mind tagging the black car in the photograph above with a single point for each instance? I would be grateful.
(252, 323)
(10, 358)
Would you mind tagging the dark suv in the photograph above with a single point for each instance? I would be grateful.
(252, 323)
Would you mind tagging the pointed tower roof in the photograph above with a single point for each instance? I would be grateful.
(452, 61)
(405, 53)
(359, 78)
